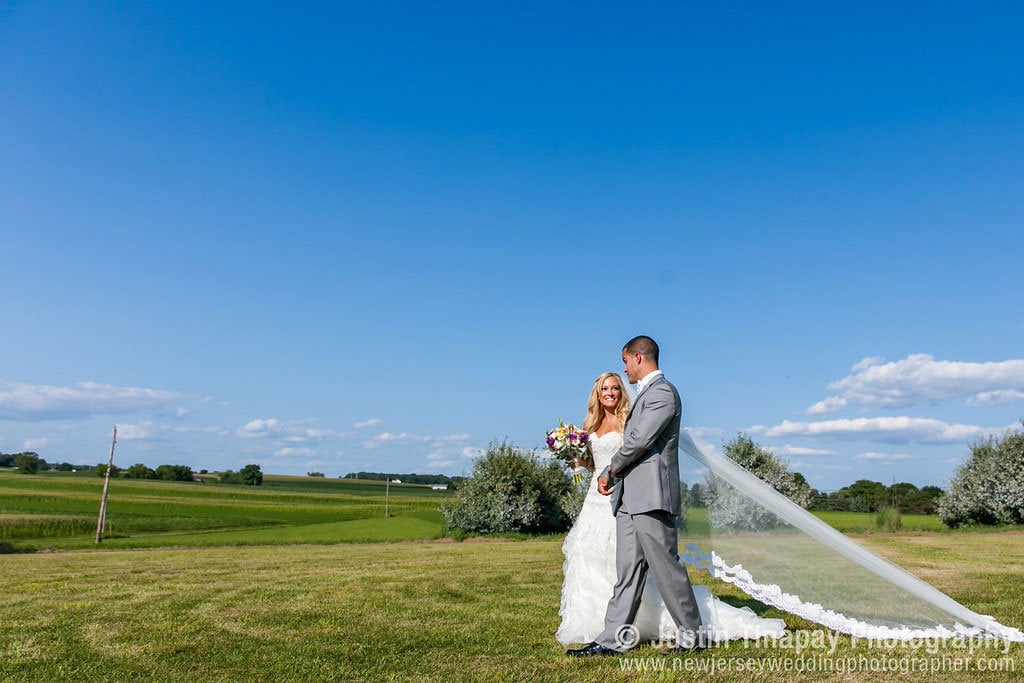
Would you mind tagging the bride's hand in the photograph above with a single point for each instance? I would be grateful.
(602, 486)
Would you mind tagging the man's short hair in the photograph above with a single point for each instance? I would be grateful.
(645, 346)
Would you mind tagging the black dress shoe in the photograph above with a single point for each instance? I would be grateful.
(591, 650)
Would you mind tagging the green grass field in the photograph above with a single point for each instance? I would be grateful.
(436, 610)
(292, 592)
(58, 510)
(847, 522)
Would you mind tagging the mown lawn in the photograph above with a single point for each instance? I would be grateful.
(230, 583)
(435, 610)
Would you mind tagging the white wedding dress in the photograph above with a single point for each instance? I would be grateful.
(590, 576)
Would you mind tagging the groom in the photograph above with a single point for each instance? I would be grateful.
(643, 480)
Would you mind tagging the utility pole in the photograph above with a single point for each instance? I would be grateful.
(387, 495)
(106, 487)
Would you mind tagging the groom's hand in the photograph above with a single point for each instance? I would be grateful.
(602, 486)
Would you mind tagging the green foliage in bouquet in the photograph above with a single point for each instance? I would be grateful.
(511, 491)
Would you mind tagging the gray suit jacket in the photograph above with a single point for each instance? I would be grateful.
(647, 466)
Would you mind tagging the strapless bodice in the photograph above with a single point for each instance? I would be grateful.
(603, 448)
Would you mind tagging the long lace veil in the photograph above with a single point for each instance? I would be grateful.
(780, 554)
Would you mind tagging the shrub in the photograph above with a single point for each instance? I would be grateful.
(888, 519)
(989, 487)
(572, 501)
(174, 472)
(101, 470)
(730, 509)
(251, 475)
(510, 491)
(27, 463)
(139, 471)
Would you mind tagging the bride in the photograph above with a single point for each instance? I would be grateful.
(589, 550)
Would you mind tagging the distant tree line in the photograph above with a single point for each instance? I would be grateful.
(406, 478)
(29, 462)
(141, 471)
(861, 496)
(250, 475)
(865, 495)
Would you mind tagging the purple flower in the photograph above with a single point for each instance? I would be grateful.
(572, 436)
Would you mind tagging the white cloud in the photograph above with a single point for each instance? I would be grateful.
(260, 429)
(294, 452)
(700, 436)
(439, 459)
(800, 450)
(303, 435)
(85, 399)
(388, 437)
(998, 397)
(832, 404)
(33, 444)
(372, 422)
(918, 378)
(185, 429)
(444, 456)
(883, 457)
(295, 432)
(142, 431)
(866, 363)
(884, 429)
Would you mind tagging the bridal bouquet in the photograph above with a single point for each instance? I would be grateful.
(568, 443)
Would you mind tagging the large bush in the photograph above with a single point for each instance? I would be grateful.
(174, 472)
(511, 491)
(139, 471)
(101, 470)
(730, 509)
(28, 463)
(251, 475)
(989, 487)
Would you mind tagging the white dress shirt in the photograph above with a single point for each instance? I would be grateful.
(645, 380)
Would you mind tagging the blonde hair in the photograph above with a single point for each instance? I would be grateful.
(595, 411)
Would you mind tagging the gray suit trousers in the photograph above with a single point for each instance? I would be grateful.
(647, 541)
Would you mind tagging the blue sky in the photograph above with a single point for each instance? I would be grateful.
(341, 236)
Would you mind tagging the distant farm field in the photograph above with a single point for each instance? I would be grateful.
(57, 510)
